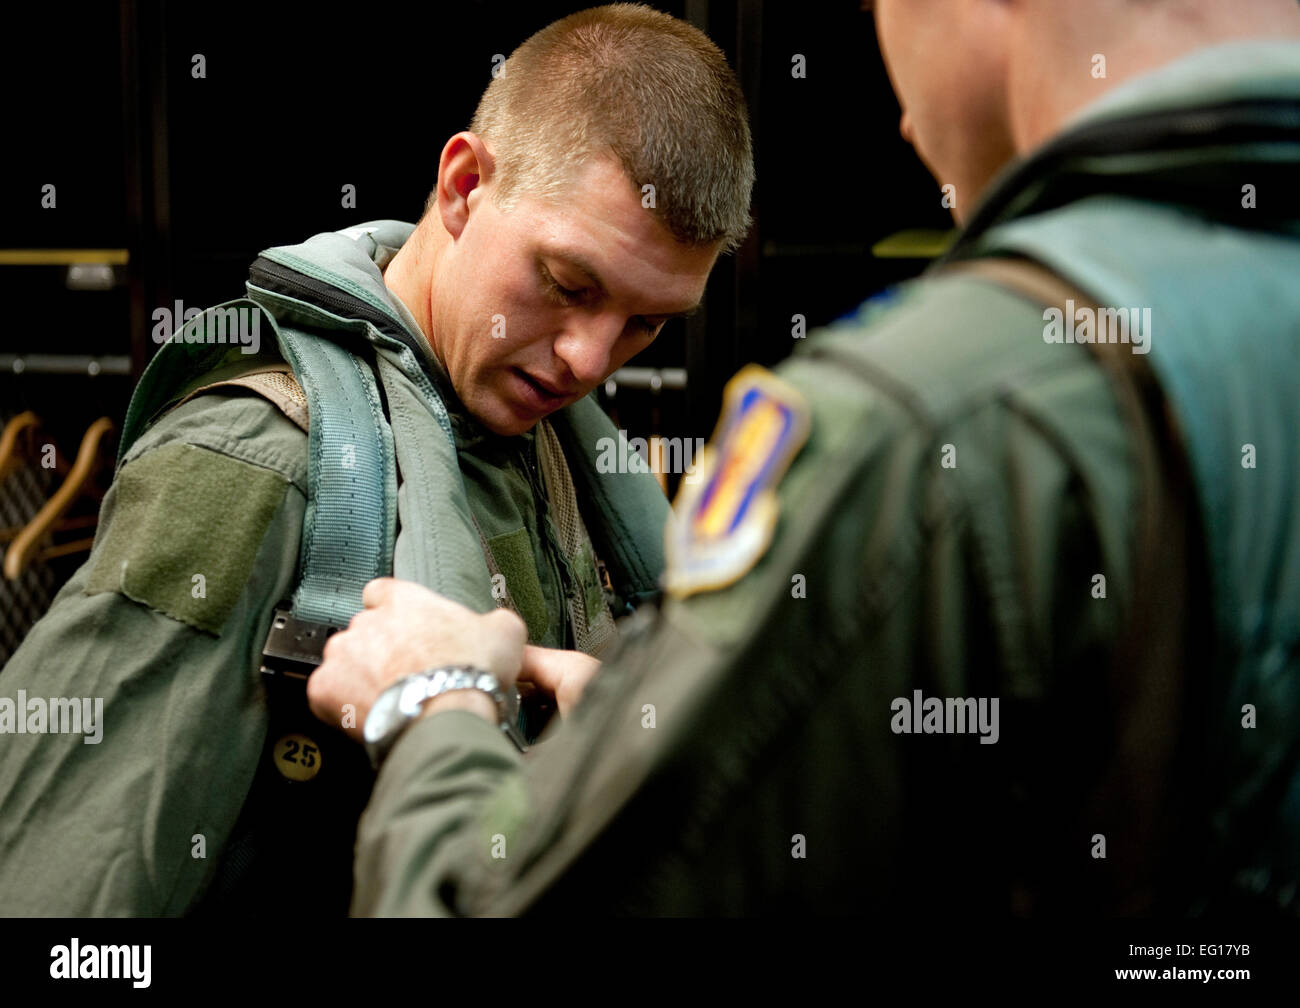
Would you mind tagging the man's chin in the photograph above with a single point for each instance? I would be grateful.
(507, 419)
(506, 428)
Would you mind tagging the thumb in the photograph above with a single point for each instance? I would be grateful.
(564, 674)
(542, 668)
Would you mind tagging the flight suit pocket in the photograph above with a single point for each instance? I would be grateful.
(184, 531)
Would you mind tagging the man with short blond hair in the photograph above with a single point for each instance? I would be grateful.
(567, 94)
(424, 410)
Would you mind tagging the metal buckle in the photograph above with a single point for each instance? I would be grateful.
(510, 719)
(294, 646)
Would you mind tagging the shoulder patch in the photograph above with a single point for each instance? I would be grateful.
(185, 528)
(724, 514)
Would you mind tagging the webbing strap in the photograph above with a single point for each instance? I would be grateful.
(273, 382)
(1149, 680)
(589, 637)
(348, 530)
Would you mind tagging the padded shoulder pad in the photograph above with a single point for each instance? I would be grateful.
(274, 382)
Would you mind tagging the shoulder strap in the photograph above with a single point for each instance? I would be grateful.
(351, 519)
(629, 511)
(591, 636)
(1139, 792)
(351, 516)
(273, 382)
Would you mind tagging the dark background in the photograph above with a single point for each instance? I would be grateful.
(184, 180)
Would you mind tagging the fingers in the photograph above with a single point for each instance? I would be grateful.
(338, 695)
(390, 590)
(499, 637)
(512, 630)
(319, 697)
(377, 592)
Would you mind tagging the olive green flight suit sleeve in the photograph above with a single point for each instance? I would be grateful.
(163, 625)
(940, 531)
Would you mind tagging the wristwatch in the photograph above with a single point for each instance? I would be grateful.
(402, 702)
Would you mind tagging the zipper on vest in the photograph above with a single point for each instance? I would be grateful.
(280, 279)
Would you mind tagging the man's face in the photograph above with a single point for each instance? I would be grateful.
(946, 61)
(534, 307)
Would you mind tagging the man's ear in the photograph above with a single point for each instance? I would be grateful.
(465, 165)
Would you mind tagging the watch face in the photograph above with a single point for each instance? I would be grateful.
(382, 716)
(412, 695)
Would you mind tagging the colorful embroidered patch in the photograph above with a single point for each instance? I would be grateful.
(725, 513)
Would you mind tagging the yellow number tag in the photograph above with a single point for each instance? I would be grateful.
(297, 757)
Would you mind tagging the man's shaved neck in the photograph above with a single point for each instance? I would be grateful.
(410, 273)
(1051, 59)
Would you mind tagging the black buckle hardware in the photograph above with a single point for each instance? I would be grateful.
(294, 646)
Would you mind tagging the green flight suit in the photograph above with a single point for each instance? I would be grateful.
(198, 542)
(964, 485)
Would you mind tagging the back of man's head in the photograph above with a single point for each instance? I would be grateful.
(633, 83)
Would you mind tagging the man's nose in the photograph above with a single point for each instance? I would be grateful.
(587, 347)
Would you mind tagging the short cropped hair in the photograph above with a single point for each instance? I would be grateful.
(636, 83)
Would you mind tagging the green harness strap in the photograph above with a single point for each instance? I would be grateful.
(351, 521)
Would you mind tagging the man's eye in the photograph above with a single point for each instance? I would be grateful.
(564, 295)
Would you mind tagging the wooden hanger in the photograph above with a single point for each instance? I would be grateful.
(10, 445)
(27, 543)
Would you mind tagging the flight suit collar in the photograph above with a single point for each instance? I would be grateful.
(1174, 136)
(1231, 71)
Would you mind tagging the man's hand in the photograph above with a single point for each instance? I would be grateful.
(563, 674)
(406, 628)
